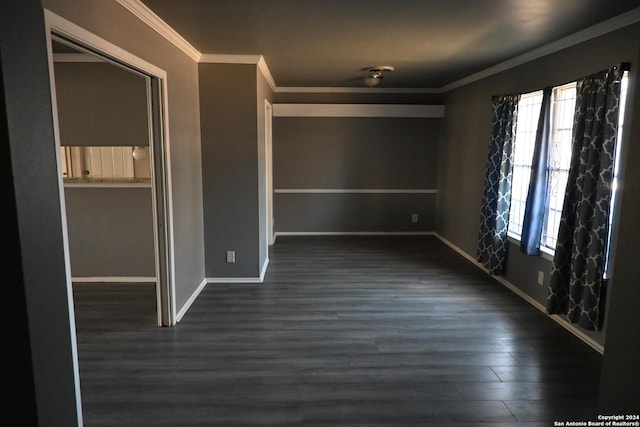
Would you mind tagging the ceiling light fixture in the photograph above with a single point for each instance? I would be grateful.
(375, 74)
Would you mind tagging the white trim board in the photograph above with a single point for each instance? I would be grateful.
(107, 185)
(218, 280)
(354, 191)
(382, 90)
(513, 288)
(264, 68)
(114, 279)
(214, 58)
(358, 110)
(260, 279)
(258, 60)
(354, 233)
(263, 271)
(187, 305)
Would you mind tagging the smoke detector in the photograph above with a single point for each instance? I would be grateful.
(375, 74)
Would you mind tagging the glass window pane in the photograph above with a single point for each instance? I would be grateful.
(562, 112)
(524, 141)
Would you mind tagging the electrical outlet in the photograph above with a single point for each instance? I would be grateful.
(231, 257)
(414, 217)
(540, 278)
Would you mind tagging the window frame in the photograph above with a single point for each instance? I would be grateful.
(545, 251)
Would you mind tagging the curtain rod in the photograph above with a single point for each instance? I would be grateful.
(621, 68)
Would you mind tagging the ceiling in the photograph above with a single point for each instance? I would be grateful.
(431, 43)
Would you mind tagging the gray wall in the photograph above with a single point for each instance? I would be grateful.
(110, 232)
(114, 23)
(462, 169)
(230, 159)
(48, 384)
(354, 153)
(100, 104)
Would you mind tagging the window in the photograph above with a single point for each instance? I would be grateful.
(563, 101)
(122, 164)
(562, 110)
(524, 141)
(614, 185)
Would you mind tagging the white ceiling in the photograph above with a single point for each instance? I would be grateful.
(431, 43)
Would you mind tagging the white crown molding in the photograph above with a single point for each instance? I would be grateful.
(292, 89)
(264, 68)
(258, 60)
(154, 21)
(613, 24)
(358, 110)
(214, 58)
(147, 16)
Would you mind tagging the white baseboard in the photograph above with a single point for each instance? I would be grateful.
(187, 305)
(113, 279)
(354, 233)
(234, 280)
(259, 279)
(265, 265)
(556, 318)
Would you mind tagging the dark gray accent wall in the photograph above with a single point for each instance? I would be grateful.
(462, 170)
(360, 213)
(228, 94)
(47, 383)
(346, 153)
(100, 104)
(110, 231)
(112, 22)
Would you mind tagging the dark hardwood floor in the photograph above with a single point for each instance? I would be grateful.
(344, 331)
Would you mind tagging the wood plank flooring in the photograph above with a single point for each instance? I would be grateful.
(375, 331)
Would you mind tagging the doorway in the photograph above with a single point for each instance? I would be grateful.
(64, 33)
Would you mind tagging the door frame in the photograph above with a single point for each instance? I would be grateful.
(159, 152)
(268, 156)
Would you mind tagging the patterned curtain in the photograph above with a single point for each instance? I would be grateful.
(577, 276)
(536, 204)
(496, 201)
